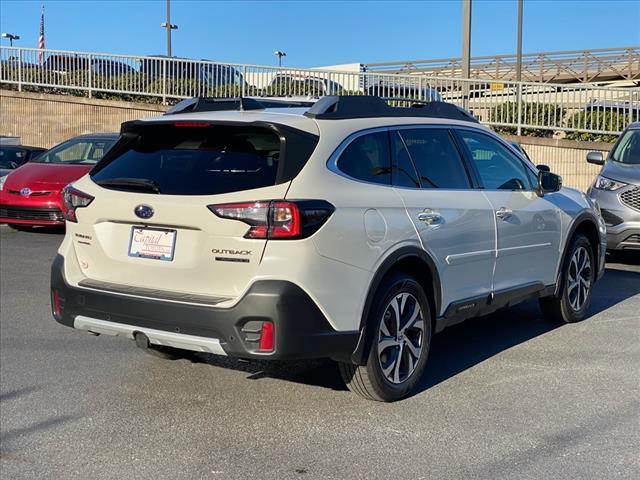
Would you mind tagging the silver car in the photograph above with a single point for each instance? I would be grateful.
(617, 190)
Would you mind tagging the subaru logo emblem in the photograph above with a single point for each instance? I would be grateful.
(143, 211)
(25, 192)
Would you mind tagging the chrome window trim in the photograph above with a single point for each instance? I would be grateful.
(332, 162)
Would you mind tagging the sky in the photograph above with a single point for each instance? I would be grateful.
(315, 33)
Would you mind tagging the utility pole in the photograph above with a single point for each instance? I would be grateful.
(169, 27)
(519, 69)
(466, 50)
(519, 51)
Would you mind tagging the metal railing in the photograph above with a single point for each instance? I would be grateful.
(581, 66)
(511, 106)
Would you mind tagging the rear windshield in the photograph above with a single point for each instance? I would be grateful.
(202, 160)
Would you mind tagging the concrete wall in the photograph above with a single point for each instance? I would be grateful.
(44, 120)
(565, 157)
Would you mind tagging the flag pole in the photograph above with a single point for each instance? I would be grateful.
(41, 42)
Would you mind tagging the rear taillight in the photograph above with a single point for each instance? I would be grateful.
(72, 199)
(277, 219)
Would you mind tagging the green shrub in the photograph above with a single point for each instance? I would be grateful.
(533, 113)
(596, 120)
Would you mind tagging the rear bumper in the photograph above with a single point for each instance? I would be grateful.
(301, 330)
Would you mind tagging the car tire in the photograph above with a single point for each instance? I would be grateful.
(399, 344)
(577, 279)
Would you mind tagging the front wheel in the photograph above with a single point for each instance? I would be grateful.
(578, 276)
(400, 342)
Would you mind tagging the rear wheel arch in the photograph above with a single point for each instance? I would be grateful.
(413, 261)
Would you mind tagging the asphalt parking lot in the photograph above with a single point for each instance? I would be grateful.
(506, 396)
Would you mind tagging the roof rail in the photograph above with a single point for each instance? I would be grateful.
(211, 104)
(367, 106)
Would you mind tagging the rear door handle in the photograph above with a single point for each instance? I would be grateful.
(429, 216)
(504, 213)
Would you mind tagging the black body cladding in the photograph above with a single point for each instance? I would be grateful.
(280, 302)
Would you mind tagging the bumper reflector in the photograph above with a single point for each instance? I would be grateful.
(56, 303)
(267, 337)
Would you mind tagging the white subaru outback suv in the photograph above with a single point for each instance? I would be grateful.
(352, 230)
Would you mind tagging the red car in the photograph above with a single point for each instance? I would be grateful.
(31, 196)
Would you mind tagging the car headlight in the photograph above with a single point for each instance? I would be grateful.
(2, 180)
(604, 183)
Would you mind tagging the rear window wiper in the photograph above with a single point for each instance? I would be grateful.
(135, 183)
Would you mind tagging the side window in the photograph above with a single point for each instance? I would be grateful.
(404, 173)
(367, 158)
(72, 153)
(98, 149)
(436, 158)
(499, 168)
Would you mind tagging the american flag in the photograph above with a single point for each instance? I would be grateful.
(41, 39)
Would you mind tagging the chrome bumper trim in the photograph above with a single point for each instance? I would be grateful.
(156, 337)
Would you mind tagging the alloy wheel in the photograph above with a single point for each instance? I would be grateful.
(400, 338)
(579, 278)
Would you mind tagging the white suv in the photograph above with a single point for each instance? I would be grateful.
(352, 230)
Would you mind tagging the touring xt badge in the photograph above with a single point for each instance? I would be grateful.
(236, 255)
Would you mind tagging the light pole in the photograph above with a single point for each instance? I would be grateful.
(169, 27)
(519, 68)
(466, 50)
(11, 37)
(279, 54)
(519, 52)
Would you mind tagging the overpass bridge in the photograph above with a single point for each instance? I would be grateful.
(599, 66)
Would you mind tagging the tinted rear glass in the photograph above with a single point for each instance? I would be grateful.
(195, 161)
(367, 158)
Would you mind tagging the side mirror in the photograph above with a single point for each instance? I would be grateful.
(596, 158)
(548, 182)
(543, 168)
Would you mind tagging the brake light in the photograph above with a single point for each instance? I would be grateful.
(72, 199)
(284, 220)
(277, 219)
(187, 124)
